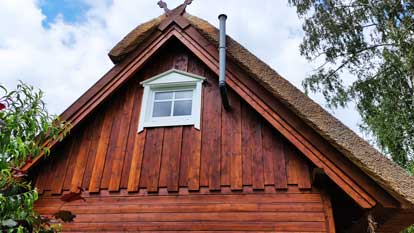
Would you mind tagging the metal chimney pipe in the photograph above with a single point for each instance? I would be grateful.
(222, 72)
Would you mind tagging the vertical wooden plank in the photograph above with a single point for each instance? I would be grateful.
(64, 159)
(136, 162)
(94, 185)
(49, 170)
(279, 161)
(327, 206)
(175, 150)
(153, 141)
(152, 159)
(185, 159)
(292, 165)
(40, 178)
(81, 159)
(231, 162)
(192, 149)
(43, 177)
(96, 130)
(268, 150)
(304, 181)
(257, 153)
(210, 151)
(191, 146)
(119, 155)
(126, 172)
(247, 146)
(73, 155)
(165, 158)
(113, 151)
(171, 158)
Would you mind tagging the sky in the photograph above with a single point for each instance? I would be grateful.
(61, 46)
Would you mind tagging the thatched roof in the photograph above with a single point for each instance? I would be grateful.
(385, 172)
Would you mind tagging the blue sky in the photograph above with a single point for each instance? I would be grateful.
(72, 11)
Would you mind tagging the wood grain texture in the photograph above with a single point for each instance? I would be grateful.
(268, 154)
(211, 135)
(192, 150)
(195, 212)
(152, 159)
(132, 134)
(231, 144)
(75, 146)
(136, 162)
(170, 166)
(234, 149)
(112, 155)
(81, 160)
(94, 185)
(121, 142)
(61, 168)
(252, 152)
(96, 129)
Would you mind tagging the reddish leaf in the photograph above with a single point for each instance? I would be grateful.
(19, 174)
(29, 159)
(2, 106)
(18, 171)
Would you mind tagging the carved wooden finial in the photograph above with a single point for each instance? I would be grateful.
(164, 6)
(188, 2)
(180, 9)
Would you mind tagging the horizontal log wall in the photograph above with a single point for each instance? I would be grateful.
(255, 212)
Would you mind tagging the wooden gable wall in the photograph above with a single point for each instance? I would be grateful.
(235, 149)
(236, 163)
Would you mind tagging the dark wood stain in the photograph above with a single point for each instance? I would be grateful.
(234, 148)
(235, 152)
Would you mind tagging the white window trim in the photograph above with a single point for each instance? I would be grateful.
(172, 80)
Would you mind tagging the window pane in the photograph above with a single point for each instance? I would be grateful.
(163, 95)
(184, 94)
(162, 109)
(182, 108)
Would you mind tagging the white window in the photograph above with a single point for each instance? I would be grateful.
(171, 99)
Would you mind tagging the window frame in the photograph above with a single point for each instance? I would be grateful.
(173, 80)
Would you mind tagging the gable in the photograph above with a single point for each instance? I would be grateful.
(172, 76)
(236, 149)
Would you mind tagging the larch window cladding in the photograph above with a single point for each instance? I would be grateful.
(172, 98)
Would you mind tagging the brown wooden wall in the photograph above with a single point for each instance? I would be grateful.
(236, 157)
(202, 211)
(235, 149)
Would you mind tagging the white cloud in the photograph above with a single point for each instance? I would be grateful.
(66, 59)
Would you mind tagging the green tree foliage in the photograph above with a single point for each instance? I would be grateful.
(367, 49)
(26, 130)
